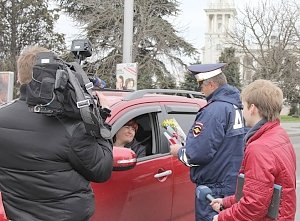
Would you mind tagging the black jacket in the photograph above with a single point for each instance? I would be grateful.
(46, 165)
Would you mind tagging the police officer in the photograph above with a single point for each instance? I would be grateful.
(214, 146)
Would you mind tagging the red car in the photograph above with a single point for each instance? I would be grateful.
(155, 187)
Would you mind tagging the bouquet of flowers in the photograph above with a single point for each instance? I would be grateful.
(174, 133)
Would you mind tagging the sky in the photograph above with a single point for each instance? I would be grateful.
(191, 22)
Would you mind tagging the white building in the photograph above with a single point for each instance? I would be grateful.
(220, 18)
(220, 15)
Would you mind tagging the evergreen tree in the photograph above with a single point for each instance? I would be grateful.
(189, 83)
(166, 81)
(289, 80)
(145, 82)
(231, 71)
(24, 23)
(155, 41)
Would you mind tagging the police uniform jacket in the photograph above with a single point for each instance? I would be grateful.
(46, 165)
(214, 146)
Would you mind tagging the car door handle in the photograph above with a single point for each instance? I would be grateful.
(163, 174)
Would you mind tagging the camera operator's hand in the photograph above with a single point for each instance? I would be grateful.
(103, 101)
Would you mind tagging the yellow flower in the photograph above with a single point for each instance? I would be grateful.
(169, 122)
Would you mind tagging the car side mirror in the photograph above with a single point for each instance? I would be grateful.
(124, 158)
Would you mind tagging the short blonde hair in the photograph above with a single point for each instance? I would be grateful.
(266, 96)
(26, 62)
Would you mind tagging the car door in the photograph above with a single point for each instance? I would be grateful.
(144, 192)
(183, 189)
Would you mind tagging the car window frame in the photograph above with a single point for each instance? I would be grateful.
(129, 113)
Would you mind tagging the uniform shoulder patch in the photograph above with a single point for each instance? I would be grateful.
(197, 129)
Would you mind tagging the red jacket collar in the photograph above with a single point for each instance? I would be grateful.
(267, 126)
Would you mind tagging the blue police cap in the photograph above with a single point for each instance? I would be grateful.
(206, 71)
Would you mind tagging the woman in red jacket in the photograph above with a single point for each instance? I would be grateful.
(269, 159)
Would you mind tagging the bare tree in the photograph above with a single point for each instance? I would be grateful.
(268, 36)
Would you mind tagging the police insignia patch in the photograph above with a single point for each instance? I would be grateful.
(197, 129)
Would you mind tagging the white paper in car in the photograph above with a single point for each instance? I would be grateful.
(175, 131)
(171, 140)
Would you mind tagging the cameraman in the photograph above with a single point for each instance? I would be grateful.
(47, 163)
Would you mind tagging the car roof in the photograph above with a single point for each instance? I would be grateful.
(117, 96)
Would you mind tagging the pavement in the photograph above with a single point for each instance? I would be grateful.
(293, 129)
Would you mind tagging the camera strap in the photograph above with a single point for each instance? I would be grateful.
(89, 111)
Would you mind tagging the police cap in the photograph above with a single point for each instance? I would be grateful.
(206, 71)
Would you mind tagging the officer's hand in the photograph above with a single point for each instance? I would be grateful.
(174, 149)
(216, 204)
(215, 218)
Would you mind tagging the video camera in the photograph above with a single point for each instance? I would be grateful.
(59, 88)
(81, 48)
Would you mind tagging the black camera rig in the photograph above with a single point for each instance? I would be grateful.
(81, 48)
(61, 88)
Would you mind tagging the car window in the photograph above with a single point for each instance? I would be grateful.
(185, 120)
(184, 115)
(146, 134)
(126, 114)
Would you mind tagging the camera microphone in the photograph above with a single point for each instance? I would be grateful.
(97, 82)
(204, 193)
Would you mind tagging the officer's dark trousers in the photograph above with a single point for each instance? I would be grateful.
(204, 211)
